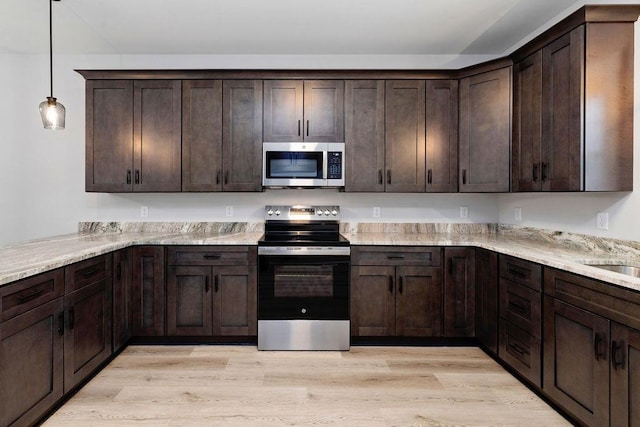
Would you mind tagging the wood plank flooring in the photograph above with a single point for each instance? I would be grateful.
(367, 386)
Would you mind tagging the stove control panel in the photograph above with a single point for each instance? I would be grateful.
(302, 212)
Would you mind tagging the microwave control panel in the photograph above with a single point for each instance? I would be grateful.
(334, 171)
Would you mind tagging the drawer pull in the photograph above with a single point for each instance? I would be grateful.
(212, 256)
(516, 307)
(599, 351)
(388, 176)
(379, 176)
(90, 272)
(617, 355)
(517, 271)
(206, 284)
(518, 349)
(391, 284)
(26, 298)
(215, 283)
(395, 256)
(400, 285)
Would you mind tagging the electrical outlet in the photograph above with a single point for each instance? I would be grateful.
(464, 212)
(144, 211)
(602, 220)
(228, 211)
(376, 212)
(517, 213)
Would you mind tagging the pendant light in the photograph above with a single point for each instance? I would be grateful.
(51, 111)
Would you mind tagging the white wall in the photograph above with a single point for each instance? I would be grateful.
(42, 172)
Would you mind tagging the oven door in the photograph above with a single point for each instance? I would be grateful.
(313, 287)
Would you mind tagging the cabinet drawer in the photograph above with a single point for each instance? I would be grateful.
(26, 294)
(521, 306)
(520, 271)
(521, 351)
(211, 255)
(86, 272)
(396, 255)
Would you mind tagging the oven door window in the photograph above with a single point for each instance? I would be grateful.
(294, 164)
(303, 281)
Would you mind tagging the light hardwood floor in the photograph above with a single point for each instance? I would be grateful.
(367, 386)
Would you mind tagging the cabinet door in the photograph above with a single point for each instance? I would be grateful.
(87, 338)
(189, 301)
(31, 364)
(324, 110)
(242, 135)
(562, 100)
(283, 110)
(485, 131)
(487, 299)
(373, 310)
(527, 124)
(109, 135)
(625, 376)
(157, 135)
(576, 361)
(364, 135)
(147, 291)
(121, 298)
(234, 301)
(418, 301)
(459, 292)
(201, 135)
(442, 136)
(405, 136)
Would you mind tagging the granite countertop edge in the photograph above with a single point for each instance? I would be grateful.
(25, 259)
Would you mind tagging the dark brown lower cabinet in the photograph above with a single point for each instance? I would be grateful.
(31, 364)
(576, 361)
(87, 336)
(487, 299)
(147, 291)
(122, 261)
(625, 376)
(459, 292)
(396, 301)
(212, 299)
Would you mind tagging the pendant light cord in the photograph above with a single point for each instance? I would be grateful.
(51, 45)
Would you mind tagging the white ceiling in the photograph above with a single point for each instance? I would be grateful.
(277, 27)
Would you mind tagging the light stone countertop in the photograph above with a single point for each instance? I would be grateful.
(554, 249)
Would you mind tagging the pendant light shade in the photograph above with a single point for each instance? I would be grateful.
(51, 111)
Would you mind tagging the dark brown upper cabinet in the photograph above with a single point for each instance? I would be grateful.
(573, 107)
(303, 110)
(364, 135)
(405, 136)
(133, 135)
(222, 135)
(442, 136)
(485, 131)
(109, 135)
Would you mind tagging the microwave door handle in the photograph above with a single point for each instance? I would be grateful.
(325, 165)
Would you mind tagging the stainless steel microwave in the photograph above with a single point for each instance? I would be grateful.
(303, 164)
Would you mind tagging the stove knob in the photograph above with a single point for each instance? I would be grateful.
(334, 212)
(319, 212)
(327, 213)
(270, 212)
(303, 311)
(277, 212)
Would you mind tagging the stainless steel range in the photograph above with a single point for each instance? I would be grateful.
(303, 282)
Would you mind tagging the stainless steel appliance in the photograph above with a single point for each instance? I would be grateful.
(303, 164)
(303, 280)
